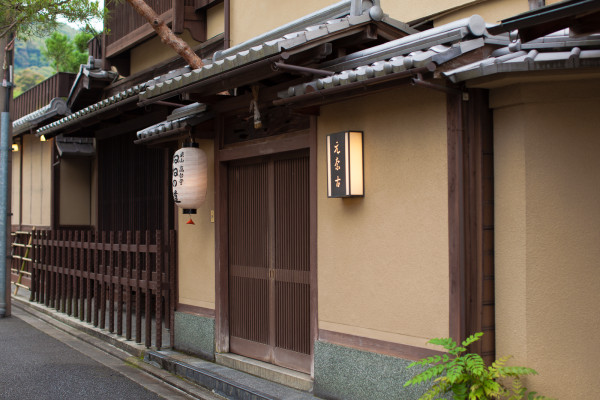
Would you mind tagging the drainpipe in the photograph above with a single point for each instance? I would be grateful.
(5, 154)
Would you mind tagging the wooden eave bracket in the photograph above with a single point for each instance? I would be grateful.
(191, 18)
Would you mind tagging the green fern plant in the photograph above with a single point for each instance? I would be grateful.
(465, 376)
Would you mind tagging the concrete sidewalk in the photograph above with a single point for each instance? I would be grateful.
(195, 377)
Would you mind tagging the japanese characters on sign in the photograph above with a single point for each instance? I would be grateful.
(344, 164)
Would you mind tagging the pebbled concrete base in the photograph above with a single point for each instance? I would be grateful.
(195, 335)
(351, 374)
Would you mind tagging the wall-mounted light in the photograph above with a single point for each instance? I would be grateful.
(42, 138)
(190, 178)
(15, 147)
(345, 164)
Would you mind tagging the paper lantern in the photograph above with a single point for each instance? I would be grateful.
(190, 170)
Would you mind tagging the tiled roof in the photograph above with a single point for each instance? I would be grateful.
(243, 56)
(180, 118)
(558, 51)
(256, 53)
(123, 97)
(57, 106)
(412, 51)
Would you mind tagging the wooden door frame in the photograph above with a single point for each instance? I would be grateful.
(224, 154)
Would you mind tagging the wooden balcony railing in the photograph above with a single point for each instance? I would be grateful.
(57, 85)
(123, 282)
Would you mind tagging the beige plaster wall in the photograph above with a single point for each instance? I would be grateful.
(406, 11)
(153, 52)
(37, 178)
(252, 18)
(492, 11)
(197, 247)
(75, 192)
(547, 187)
(16, 185)
(215, 20)
(383, 259)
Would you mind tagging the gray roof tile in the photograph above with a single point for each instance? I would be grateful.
(552, 52)
(130, 93)
(56, 107)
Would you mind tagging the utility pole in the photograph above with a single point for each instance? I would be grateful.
(6, 45)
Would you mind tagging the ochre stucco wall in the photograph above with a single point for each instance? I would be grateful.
(197, 247)
(492, 11)
(75, 192)
(268, 14)
(406, 10)
(154, 51)
(547, 186)
(16, 184)
(215, 20)
(37, 178)
(383, 259)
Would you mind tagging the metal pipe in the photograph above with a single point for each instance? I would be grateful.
(4, 154)
(297, 68)
(418, 81)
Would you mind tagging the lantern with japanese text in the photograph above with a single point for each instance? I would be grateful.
(189, 178)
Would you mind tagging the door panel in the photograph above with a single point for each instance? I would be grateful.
(248, 253)
(269, 265)
(292, 251)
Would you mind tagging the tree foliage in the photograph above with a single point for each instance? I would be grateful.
(40, 17)
(66, 55)
(29, 77)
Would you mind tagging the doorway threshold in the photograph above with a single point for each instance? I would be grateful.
(273, 373)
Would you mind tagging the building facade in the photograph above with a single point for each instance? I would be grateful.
(477, 213)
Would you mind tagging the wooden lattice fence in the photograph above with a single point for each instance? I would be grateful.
(120, 281)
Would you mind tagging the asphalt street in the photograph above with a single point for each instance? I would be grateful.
(39, 361)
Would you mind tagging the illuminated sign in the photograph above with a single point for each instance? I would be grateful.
(345, 164)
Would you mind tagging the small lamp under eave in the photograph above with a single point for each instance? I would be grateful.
(15, 147)
(42, 138)
(190, 178)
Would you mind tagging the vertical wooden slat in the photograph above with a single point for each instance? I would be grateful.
(34, 274)
(159, 291)
(103, 274)
(172, 286)
(72, 269)
(119, 286)
(128, 290)
(111, 286)
(63, 268)
(97, 278)
(82, 273)
(147, 313)
(49, 263)
(138, 290)
(88, 269)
